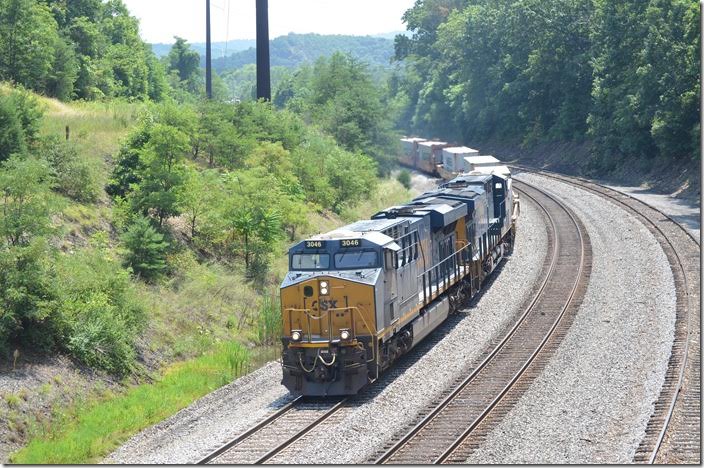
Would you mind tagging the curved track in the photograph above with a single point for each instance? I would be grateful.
(444, 435)
(673, 431)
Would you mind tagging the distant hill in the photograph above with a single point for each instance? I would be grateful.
(294, 49)
(218, 48)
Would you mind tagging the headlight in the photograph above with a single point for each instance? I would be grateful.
(345, 335)
(323, 284)
(323, 291)
(296, 335)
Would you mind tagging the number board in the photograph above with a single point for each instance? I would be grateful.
(315, 244)
(350, 243)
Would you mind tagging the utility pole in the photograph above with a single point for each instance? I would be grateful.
(208, 63)
(263, 72)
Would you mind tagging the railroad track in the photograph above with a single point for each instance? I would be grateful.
(673, 432)
(276, 432)
(279, 441)
(447, 432)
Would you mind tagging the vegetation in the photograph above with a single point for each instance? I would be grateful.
(623, 75)
(339, 95)
(79, 49)
(92, 429)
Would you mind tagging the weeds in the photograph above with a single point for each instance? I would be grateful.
(269, 320)
(12, 400)
(93, 427)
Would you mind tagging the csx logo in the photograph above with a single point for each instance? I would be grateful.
(325, 304)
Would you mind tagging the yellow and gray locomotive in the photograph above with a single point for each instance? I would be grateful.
(357, 298)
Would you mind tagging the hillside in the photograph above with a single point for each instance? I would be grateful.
(218, 48)
(293, 50)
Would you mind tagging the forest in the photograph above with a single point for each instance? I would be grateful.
(620, 75)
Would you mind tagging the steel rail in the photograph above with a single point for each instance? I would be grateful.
(604, 192)
(270, 419)
(453, 395)
(281, 447)
(535, 353)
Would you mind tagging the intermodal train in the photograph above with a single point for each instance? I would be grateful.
(357, 298)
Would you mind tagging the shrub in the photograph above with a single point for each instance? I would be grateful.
(72, 175)
(269, 320)
(146, 249)
(26, 295)
(404, 177)
(100, 315)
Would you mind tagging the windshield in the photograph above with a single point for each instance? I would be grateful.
(310, 261)
(356, 259)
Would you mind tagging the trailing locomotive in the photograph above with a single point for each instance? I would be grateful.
(357, 298)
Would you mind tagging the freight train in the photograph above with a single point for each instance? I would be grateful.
(357, 298)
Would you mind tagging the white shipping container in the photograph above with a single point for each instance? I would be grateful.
(453, 158)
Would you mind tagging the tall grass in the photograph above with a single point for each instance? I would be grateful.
(90, 430)
(269, 320)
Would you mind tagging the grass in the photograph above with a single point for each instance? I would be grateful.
(94, 428)
(12, 400)
(96, 127)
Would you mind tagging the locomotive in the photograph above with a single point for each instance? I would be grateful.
(357, 298)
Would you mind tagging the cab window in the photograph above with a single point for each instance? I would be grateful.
(310, 261)
(356, 259)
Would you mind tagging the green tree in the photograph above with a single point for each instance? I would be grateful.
(12, 139)
(161, 177)
(26, 202)
(72, 175)
(183, 59)
(197, 195)
(28, 36)
(145, 249)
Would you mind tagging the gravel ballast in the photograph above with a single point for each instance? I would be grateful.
(193, 432)
(593, 400)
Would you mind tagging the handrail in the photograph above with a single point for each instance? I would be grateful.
(440, 274)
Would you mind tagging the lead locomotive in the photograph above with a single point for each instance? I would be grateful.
(357, 298)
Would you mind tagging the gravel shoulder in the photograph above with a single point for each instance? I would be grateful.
(193, 432)
(682, 211)
(593, 400)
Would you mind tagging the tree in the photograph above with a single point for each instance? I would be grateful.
(12, 139)
(183, 59)
(146, 249)
(196, 195)
(64, 71)
(28, 36)
(25, 200)
(161, 177)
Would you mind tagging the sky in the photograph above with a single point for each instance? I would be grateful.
(160, 20)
